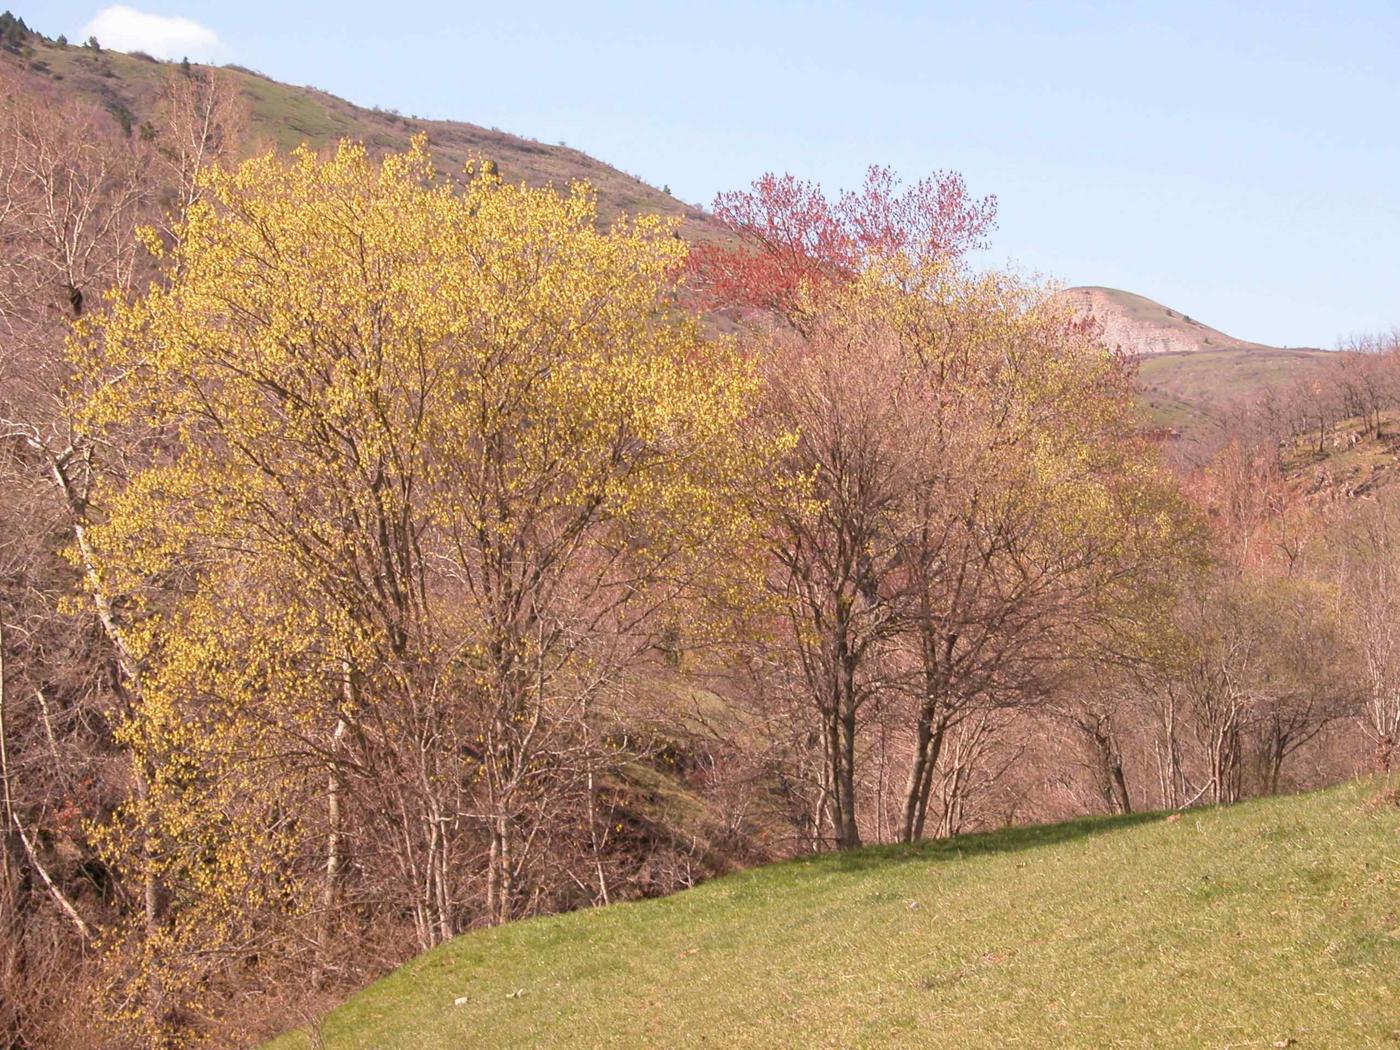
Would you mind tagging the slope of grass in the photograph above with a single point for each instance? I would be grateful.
(287, 115)
(1273, 923)
(1184, 390)
(1353, 461)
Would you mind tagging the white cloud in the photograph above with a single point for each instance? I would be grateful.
(122, 28)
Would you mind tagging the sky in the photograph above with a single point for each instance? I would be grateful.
(1238, 162)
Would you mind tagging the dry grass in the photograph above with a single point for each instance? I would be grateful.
(1184, 390)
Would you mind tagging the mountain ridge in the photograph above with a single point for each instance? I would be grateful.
(1141, 326)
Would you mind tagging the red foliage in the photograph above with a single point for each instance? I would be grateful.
(788, 232)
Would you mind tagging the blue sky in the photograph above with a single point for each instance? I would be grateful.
(1239, 162)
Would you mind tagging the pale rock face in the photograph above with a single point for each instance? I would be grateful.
(1137, 325)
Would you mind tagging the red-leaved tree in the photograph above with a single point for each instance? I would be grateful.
(788, 234)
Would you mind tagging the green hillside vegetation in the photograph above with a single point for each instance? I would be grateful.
(1183, 390)
(285, 116)
(1271, 923)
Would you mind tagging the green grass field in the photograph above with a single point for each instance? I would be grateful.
(1272, 923)
(1181, 390)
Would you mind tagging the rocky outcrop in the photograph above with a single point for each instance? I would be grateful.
(1137, 325)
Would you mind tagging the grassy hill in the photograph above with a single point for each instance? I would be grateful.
(1188, 370)
(285, 116)
(1141, 326)
(1184, 389)
(1272, 923)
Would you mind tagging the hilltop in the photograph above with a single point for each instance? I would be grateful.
(1188, 370)
(1270, 923)
(1139, 326)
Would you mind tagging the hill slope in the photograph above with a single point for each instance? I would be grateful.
(285, 116)
(1187, 370)
(1180, 393)
(1140, 326)
(1184, 390)
(1273, 923)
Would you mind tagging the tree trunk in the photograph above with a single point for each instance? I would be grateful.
(330, 892)
(1111, 764)
(850, 832)
(928, 747)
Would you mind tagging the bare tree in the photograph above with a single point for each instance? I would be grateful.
(203, 119)
(1371, 577)
(834, 549)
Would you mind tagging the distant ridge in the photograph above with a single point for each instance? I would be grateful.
(1139, 326)
(1188, 372)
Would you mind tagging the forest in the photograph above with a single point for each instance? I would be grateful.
(388, 551)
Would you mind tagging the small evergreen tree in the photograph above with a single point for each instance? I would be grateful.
(14, 34)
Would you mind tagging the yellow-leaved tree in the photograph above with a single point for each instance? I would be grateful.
(407, 471)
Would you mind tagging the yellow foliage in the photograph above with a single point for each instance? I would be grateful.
(393, 442)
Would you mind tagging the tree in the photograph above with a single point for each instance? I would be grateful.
(980, 513)
(1309, 685)
(1092, 707)
(14, 34)
(979, 496)
(75, 193)
(1370, 578)
(787, 236)
(792, 256)
(1257, 675)
(1038, 534)
(413, 473)
(833, 547)
(203, 117)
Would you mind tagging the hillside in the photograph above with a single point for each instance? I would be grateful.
(1139, 326)
(286, 116)
(1272, 923)
(1185, 390)
(1188, 368)
(1353, 461)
